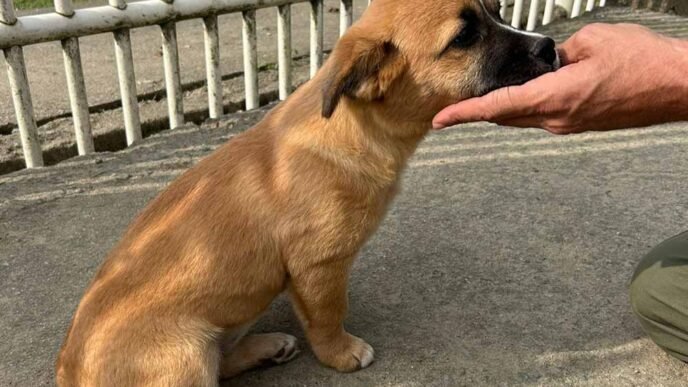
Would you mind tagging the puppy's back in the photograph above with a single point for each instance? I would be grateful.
(167, 262)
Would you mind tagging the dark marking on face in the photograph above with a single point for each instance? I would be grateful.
(509, 56)
(514, 59)
(471, 30)
(469, 33)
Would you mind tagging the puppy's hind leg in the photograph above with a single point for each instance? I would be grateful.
(155, 352)
(256, 350)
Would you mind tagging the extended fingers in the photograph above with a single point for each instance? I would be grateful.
(502, 104)
(498, 104)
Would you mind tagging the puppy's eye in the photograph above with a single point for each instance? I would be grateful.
(470, 33)
(468, 36)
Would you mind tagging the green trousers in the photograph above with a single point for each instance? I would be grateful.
(659, 295)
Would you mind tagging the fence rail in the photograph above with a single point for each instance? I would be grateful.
(68, 25)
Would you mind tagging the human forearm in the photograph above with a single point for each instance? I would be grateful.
(681, 104)
(658, 90)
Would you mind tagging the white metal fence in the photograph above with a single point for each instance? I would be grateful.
(67, 25)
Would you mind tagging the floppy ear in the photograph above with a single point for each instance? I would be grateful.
(360, 68)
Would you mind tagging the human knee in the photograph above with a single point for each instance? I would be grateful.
(657, 281)
(646, 292)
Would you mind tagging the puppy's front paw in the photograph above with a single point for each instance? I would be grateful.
(347, 354)
(363, 353)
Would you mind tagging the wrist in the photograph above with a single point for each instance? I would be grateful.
(681, 49)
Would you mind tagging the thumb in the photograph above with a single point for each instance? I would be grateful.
(573, 49)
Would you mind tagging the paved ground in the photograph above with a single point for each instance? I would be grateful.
(505, 260)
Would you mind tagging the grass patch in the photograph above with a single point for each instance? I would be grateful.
(32, 4)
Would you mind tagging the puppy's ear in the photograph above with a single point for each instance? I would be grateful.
(360, 68)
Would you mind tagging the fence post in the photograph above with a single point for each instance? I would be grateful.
(64, 7)
(518, 12)
(77, 96)
(127, 79)
(7, 15)
(284, 50)
(76, 85)
(316, 35)
(21, 93)
(549, 12)
(576, 9)
(590, 5)
(119, 4)
(173, 82)
(250, 59)
(127, 85)
(346, 15)
(533, 15)
(23, 106)
(212, 66)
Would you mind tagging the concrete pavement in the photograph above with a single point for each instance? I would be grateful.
(504, 261)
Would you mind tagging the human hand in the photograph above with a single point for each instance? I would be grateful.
(614, 76)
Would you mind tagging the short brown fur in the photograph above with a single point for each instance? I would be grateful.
(285, 205)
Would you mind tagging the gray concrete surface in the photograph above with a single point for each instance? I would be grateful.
(679, 7)
(504, 261)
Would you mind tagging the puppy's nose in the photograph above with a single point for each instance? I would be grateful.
(544, 50)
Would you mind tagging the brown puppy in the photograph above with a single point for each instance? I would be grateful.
(287, 205)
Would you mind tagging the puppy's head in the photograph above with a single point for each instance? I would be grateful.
(415, 57)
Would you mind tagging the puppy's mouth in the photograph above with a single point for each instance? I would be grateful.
(517, 74)
(522, 76)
